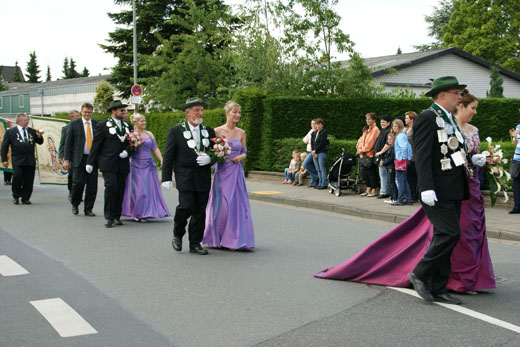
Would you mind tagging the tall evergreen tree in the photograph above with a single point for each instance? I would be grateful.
(48, 74)
(72, 69)
(66, 68)
(496, 82)
(33, 70)
(85, 72)
(16, 75)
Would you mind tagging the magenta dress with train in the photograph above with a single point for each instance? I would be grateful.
(389, 259)
(228, 214)
(143, 197)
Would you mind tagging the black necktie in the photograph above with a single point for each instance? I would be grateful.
(25, 136)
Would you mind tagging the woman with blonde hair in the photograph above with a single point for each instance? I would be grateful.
(403, 154)
(143, 198)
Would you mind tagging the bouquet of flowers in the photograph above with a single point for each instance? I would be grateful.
(135, 140)
(221, 149)
(499, 176)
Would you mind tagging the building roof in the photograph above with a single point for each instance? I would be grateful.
(62, 85)
(381, 65)
(7, 73)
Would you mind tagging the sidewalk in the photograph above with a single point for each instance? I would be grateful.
(500, 224)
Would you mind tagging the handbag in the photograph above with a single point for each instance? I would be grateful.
(366, 161)
(400, 164)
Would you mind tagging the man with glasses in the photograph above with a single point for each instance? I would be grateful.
(22, 141)
(442, 184)
(108, 152)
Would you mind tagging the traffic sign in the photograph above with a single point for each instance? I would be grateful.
(136, 90)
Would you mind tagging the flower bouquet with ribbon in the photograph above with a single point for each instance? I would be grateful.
(220, 150)
(499, 176)
(134, 140)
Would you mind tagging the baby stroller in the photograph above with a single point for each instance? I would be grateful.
(339, 173)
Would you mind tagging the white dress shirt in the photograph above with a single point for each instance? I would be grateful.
(195, 132)
(85, 149)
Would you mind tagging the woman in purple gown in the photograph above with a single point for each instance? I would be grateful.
(228, 214)
(143, 197)
(389, 259)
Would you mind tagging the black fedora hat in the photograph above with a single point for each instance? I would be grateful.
(114, 105)
(193, 102)
(444, 83)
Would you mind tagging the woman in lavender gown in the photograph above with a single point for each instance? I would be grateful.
(389, 259)
(228, 214)
(143, 197)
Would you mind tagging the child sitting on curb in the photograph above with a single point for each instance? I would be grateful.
(289, 172)
(302, 172)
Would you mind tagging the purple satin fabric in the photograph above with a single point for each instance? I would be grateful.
(228, 214)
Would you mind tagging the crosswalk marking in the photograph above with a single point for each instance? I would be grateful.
(8, 267)
(63, 318)
(466, 311)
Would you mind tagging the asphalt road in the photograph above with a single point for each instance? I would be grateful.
(134, 290)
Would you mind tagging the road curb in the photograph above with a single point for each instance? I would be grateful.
(349, 211)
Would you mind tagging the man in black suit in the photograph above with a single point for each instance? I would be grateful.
(185, 154)
(109, 153)
(78, 143)
(61, 153)
(440, 161)
(22, 140)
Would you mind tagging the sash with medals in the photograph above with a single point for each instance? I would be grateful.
(203, 137)
(450, 136)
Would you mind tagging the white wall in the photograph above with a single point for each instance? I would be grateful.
(60, 103)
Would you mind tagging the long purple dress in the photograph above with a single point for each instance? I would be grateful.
(389, 259)
(228, 214)
(143, 197)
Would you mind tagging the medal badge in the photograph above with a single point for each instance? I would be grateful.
(453, 143)
(458, 158)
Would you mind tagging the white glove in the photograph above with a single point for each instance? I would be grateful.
(123, 154)
(429, 197)
(203, 159)
(478, 160)
(89, 168)
(167, 185)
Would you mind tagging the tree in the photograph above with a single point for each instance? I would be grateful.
(85, 72)
(104, 96)
(48, 74)
(436, 24)
(33, 70)
(153, 25)
(496, 82)
(65, 68)
(72, 69)
(196, 62)
(17, 73)
(487, 29)
(399, 50)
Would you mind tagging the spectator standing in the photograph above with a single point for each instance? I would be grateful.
(389, 164)
(365, 149)
(381, 148)
(308, 164)
(403, 154)
(515, 169)
(411, 174)
(320, 146)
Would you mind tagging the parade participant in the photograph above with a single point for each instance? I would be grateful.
(78, 144)
(185, 155)
(22, 140)
(109, 153)
(73, 115)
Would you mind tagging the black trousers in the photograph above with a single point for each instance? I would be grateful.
(115, 183)
(80, 179)
(7, 176)
(191, 204)
(435, 267)
(70, 176)
(23, 180)
(411, 176)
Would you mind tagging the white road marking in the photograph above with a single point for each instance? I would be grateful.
(8, 267)
(466, 311)
(63, 318)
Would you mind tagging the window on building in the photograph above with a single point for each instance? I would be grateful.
(20, 101)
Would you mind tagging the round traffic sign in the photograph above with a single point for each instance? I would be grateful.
(136, 90)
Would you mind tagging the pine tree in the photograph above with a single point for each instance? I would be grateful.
(48, 74)
(33, 70)
(65, 68)
(497, 88)
(399, 50)
(16, 75)
(72, 69)
(85, 72)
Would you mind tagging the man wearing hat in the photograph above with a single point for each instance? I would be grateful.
(185, 154)
(440, 160)
(108, 152)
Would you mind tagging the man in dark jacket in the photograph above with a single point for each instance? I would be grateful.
(73, 115)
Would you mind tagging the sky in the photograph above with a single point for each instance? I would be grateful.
(56, 29)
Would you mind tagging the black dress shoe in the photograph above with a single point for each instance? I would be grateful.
(420, 287)
(198, 250)
(177, 244)
(118, 222)
(109, 223)
(16, 201)
(75, 210)
(26, 202)
(514, 211)
(447, 299)
(90, 213)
